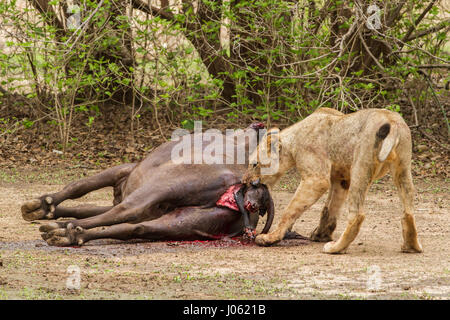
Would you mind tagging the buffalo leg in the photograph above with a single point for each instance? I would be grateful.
(44, 206)
(135, 208)
(80, 212)
(145, 203)
(189, 223)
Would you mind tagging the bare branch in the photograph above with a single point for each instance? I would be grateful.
(433, 66)
(3, 91)
(83, 27)
(418, 20)
(434, 139)
(49, 14)
(322, 15)
(154, 11)
(394, 14)
(440, 26)
(411, 102)
(370, 53)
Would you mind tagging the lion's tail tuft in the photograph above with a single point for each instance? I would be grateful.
(388, 134)
(384, 131)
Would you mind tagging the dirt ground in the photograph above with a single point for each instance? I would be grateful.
(373, 268)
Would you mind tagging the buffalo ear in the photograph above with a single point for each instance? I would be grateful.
(269, 207)
(239, 197)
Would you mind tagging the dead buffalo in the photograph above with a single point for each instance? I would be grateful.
(159, 199)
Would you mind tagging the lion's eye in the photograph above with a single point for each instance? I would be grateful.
(255, 165)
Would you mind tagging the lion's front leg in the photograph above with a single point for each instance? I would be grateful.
(350, 233)
(307, 193)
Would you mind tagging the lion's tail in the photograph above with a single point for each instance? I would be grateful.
(388, 136)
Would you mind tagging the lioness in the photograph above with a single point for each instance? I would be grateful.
(343, 153)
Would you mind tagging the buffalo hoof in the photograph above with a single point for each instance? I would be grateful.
(38, 209)
(63, 237)
(53, 225)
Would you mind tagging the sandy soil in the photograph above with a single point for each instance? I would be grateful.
(373, 268)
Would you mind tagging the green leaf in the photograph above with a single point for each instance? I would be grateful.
(188, 124)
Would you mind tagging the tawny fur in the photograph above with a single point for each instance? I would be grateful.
(343, 154)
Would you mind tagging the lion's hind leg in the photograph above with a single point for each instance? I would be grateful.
(360, 180)
(401, 174)
(330, 212)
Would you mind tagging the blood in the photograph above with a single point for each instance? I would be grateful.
(228, 200)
